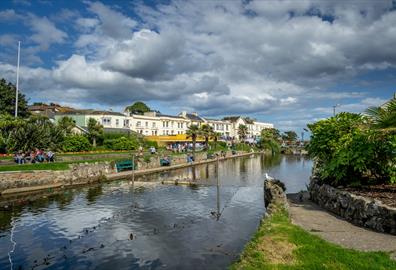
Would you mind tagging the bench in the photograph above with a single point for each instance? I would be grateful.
(125, 165)
(210, 156)
(164, 162)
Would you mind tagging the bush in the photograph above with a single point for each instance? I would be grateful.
(76, 143)
(347, 151)
(150, 144)
(121, 143)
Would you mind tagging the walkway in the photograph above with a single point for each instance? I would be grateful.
(317, 221)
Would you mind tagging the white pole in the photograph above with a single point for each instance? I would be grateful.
(17, 81)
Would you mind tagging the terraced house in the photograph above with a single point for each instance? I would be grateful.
(156, 124)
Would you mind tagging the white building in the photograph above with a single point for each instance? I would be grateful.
(157, 124)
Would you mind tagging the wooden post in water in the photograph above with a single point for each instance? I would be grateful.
(218, 189)
(133, 171)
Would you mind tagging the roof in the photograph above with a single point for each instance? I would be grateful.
(170, 116)
(231, 118)
(194, 117)
(93, 112)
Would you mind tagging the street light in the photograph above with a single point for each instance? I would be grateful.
(334, 108)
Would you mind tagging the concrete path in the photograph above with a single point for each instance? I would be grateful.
(314, 219)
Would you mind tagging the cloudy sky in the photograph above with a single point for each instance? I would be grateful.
(286, 62)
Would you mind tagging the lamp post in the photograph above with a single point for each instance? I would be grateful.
(334, 108)
(17, 81)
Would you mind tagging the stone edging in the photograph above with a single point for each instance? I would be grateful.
(79, 174)
(369, 213)
(274, 196)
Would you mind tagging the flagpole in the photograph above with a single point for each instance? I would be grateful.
(17, 81)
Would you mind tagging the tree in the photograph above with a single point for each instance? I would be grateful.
(242, 132)
(67, 124)
(138, 108)
(7, 100)
(347, 151)
(207, 132)
(28, 134)
(289, 136)
(269, 141)
(95, 130)
(383, 117)
(193, 132)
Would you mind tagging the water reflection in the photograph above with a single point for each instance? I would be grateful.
(199, 227)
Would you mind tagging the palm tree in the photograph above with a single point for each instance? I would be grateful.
(94, 130)
(207, 132)
(268, 141)
(66, 124)
(242, 132)
(383, 117)
(192, 132)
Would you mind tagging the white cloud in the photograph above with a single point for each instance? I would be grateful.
(223, 57)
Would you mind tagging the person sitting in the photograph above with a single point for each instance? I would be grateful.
(19, 158)
(50, 156)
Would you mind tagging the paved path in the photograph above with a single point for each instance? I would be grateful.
(314, 219)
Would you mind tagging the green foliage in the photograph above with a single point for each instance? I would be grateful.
(28, 134)
(290, 136)
(192, 132)
(95, 130)
(242, 132)
(121, 143)
(207, 132)
(138, 108)
(76, 143)
(150, 144)
(383, 117)
(347, 151)
(269, 140)
(66, 124)
(7, 100)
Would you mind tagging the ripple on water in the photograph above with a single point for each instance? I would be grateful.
(152, 226)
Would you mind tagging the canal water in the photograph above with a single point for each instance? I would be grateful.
(120, 225)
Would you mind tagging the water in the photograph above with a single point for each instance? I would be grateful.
(148, 226)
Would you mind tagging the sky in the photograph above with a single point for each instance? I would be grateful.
(284, 62)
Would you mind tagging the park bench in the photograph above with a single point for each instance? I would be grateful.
(125, 165)
(210, 156)
(164, 162)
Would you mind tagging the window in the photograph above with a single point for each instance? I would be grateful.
(153, 125)
(146, 124)
(138, 123)
(117, 122)
(106, 121)
(126, 122)
(181, 125)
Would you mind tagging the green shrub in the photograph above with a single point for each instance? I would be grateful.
(76, 143)
(122, 143)
(347, 151)
(150, 144)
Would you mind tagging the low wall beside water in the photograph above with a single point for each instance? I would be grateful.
(359, 210)
(81, 173)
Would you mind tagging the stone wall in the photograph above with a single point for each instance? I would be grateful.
(81, 173)
(274, 196)
(359, 210)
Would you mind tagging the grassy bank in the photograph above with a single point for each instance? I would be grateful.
(278, 244)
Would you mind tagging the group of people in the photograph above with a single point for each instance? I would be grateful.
(183, 147)
(35, 156)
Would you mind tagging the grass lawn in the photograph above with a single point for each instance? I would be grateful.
(278, 244)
